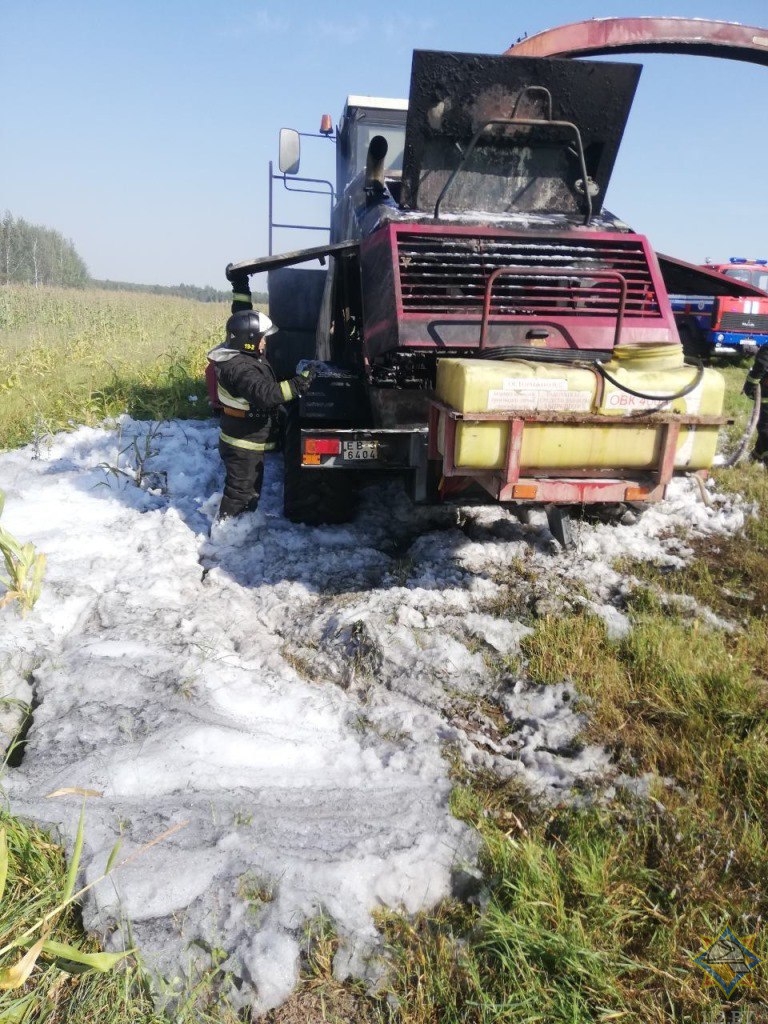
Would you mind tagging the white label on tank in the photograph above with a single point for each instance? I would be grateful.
(512, 399)
(534, 384)
(573, 401)
(536, 401)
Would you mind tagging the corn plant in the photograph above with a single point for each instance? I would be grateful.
(89, 355)
(135, 470)
(25, 568)
(26, 927)
(36, 940)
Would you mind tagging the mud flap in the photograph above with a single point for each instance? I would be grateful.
(561, 525)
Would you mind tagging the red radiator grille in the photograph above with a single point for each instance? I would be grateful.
(448, 274)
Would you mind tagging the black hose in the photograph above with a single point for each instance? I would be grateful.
(542, 355)
(741, 448)
(570, 357)
(653, 398)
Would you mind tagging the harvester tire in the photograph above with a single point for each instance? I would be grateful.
(693, 342)
(314, 496)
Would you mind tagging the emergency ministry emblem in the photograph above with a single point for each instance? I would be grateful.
(727, 961)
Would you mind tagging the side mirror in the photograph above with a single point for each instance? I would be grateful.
(290, 151)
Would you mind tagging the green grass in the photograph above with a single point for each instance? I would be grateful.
(595, 914)
(588, 913)
(37, 876)
(75, 357)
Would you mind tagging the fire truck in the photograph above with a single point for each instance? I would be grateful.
(725, 325)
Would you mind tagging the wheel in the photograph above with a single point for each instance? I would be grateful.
(314, 496)
(693, 343)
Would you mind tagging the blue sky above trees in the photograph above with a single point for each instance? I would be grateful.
(143, 130)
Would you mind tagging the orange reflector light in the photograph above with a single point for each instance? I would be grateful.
(326, 124)
(525, 491)
(322, 446)
(310, 460)
(636, 493)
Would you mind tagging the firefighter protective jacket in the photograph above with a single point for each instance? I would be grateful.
(251, 396)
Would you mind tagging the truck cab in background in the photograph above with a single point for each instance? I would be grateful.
(725, 325)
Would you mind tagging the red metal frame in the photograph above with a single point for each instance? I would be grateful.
(612, 275)
(413, 329)
(648, 35)
(571, 489)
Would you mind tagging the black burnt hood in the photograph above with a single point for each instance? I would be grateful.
(570, 118)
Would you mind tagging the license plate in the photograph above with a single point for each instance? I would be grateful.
(360, 450)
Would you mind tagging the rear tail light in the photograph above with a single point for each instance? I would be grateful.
(322, 446)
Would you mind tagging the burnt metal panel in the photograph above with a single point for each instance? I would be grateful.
(295, 297)
(337, 397)
(523, 167)
(683, 278)
(380, 283)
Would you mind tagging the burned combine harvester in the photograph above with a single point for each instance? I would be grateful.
(485, 326)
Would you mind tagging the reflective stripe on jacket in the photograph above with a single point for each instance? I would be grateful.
(231, 400)
(253, 446)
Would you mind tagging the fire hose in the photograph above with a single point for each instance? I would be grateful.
(746, 437)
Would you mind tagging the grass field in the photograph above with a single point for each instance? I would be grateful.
(70, 356)
(589, 913)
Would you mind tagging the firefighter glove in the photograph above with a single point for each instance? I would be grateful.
(238, 279)
(749, 388)
(302, 382)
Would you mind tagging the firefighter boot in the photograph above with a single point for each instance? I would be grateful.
(229, 507)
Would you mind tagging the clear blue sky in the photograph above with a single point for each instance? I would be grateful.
(142, 130)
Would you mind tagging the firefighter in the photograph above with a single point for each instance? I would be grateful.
(251, 397)
(759, 375)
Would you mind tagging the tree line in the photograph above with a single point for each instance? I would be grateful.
(185, 291)
(31, 254)
(36, 255)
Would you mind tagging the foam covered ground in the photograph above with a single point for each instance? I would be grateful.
(281, 697)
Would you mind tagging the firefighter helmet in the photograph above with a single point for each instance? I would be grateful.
(246, 328)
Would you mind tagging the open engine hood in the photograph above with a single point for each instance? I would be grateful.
(532, 165)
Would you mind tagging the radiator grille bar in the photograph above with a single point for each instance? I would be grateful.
(448, 274)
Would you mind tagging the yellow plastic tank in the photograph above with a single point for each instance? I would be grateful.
(481, 385)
